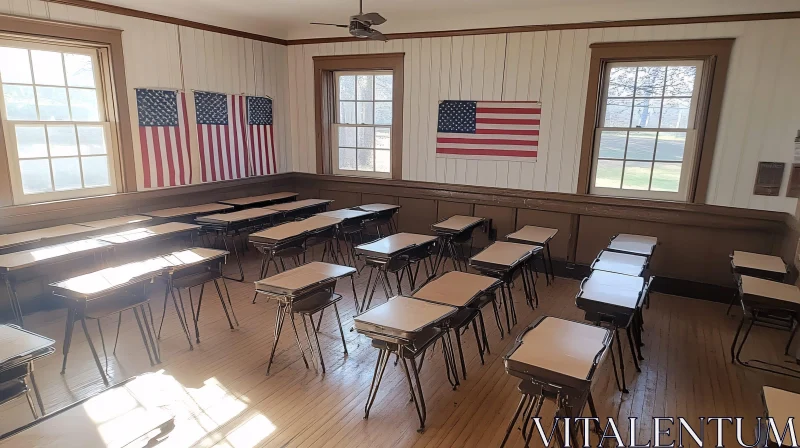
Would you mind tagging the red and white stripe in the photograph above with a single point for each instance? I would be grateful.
(165, 152)
(504, 130)
(261, 150)
(223, 154)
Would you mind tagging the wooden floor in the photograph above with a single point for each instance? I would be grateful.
(231, 402)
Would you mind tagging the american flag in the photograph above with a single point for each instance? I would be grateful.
(261, 145)
(221, 134)
(500, 130)
(164, 138)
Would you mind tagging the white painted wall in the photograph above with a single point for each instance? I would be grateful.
(760, 116)
(162, 55)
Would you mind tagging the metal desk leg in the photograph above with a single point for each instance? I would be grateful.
(36, 389)
(550, 261)
(94, 352)
(68, 335)
(280, 315)
(310, 346)
(522, 404)
(297, 337)
(377, 376)
(16, 308)
(236, 255)
(153, 359)
(418, 397)
(621, 360)
(181, 312)
(222, 301)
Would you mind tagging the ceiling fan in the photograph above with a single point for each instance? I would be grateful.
(361, 24)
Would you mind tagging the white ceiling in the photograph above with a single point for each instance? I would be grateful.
(288, 19)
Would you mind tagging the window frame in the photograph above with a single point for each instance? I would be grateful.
(715, 56)
(112, 150)
(326, 105)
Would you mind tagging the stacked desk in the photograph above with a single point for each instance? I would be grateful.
(18, 350)
(454, 232)
(763, 266)
(537, 236)
(384, 214)
(352, 224)
(260, 200)
(300, 209)
(189, 213)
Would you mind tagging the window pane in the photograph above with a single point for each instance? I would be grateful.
(79, 70)
(670, 146)
(383, 138)
(676, 113)
(366, 137)
(383, 113)
(347, 87)
(95, 171)
(637, 176)
(92, 140)
(612, 144)
(650, 81)
(31, 141)
(608, 173)
(14, 65)
(47, 67)
(366, 160)
(666, 177)
(20, 102)
(364, 113)
(618, 113)
(646, 113)
(641, 145)
(52, 103)
(383, 87)
(35, 176)
(347, 136)
(66, 173)
(347, 158)
(84, 104)
(680, 81)
(62, 141)
(364, 84)
(347, 112)
(382, 161)
(621, 80)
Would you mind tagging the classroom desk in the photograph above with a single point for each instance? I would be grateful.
(261, 200)
(394, 253)
(633, 244)
(120, 222)
(151, 235)
(231, 225)
(407, 327)
(14, 264)
(780, 405)
(305, 290)
(126, 415)
(556, 359)
(771, 304)
(504, 260)
(537, 236)
(453, 232)
(384, 215)
(18, 350)
(620, 263)
(14, 242)
(768, 267)
(300, 209)
(469, 293)
(189, 213)
(615, 300)
(352, 224)
(110, 291)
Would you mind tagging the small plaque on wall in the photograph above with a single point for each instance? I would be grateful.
(769, 178)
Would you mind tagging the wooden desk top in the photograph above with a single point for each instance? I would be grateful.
(561, 346)
(141, 233)
(634, 244)
(504, 253)
(302, 277)
(247, 214)
(125, 415)
(102, 281)
(15, 343)
(177, 212)
(28, 258)
(620, 262)
(377, 207)
(395, 243)
(758, 262)
(116, 222)
(294, 229)
(781, 404)
(298, 205)
(614, 289)
(770, 289)
(456, 288)
(243, 202)
(345, 213)
(405, 314)
(32, 236)
(457, 223)
(190, 257)
(533, 234)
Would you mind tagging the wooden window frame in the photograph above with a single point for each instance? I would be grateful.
(118, 112)
(715, 54)
(324, 102)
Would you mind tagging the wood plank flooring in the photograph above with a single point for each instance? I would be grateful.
(228, 401)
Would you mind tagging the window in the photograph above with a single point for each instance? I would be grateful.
(57, 135)
(646, 135)
(363, 127)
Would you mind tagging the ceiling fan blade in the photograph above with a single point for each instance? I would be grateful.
(377, 35)
(330, 24)
(371, 17)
